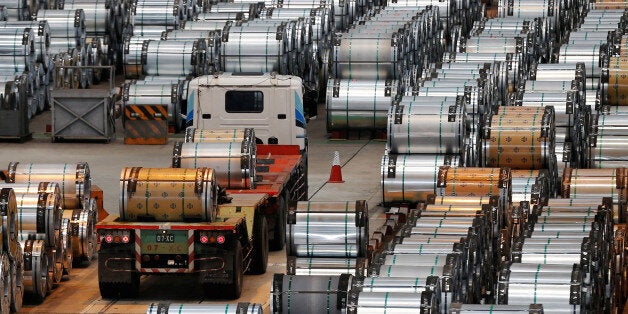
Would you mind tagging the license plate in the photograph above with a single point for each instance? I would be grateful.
(164, 242)
(164, 238)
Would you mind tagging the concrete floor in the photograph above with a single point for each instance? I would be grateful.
(360, 160)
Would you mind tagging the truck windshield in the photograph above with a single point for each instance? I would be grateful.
(244, 101)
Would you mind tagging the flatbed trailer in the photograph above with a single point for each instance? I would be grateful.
(217, 253)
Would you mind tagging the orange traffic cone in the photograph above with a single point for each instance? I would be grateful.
(336, 171)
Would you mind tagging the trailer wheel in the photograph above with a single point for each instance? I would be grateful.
(118, 284)
(279, 232)
(259, 260)
(233, 290)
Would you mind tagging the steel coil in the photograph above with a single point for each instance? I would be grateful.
(83, 234)
(39, 217)
(173, 194)
(326, 266)
(367, 58)
(359, 104)
(212, 43)
(315, 293)
(17, 10)
(244, 51)
(194, 135)
(456, 181)
(396, 302)
(219, 16)
(68, 25)
(157, 13)
(74, 180)
(174, 58)
(99, 18)
(579, 183)
(425, 127)
(66, 246)
(191, 308)
(608, 141)
(411, 178)
(520, 138)
(459, 308)
(35, 281)
(233, 163)
(313, 226)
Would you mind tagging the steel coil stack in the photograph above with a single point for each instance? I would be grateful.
(233, 161)
(404, 38)
(72, 186)
(327, 238)
(310, 294)
(12, 266)
(40, 218)
(190, 308)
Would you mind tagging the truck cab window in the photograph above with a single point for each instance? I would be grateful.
(244, 101)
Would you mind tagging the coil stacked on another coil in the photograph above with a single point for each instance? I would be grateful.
(232, 160)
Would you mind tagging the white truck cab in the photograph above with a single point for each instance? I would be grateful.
(271, 104)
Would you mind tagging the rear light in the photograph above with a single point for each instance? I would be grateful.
(204, 239)
(115, 236)
(211, 237)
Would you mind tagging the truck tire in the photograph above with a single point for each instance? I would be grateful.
(279, 232)
(233, 290)
(119, 284)
(259, 254)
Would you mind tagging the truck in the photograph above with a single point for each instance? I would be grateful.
(180, 220)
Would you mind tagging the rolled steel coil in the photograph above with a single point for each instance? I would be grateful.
(459, 308)
(65, 25)
(194, 135)
(510, 62)
(9, 213)
(13, 95)
(36, 280)
(156, 94)
(212, 43)
(411, 178)
(66, 246)
(314, 293)
(174, 58)
(533, 186)
(233, 163)
(474, 181)
(249, 10)
(132, 54)
(219, 16)
(327, 229)
(608, 141)
(319, 19)
(34, 188)
(578, 183)
(156, 13)
(520, 138)
(614, 82)
(82, 232)
(41, 31)
(359, 104)
(326, 266)
(397, 302)
(39, 217)
(367, 58)
(293, 39)
(99, 18)
(191, 308)
(17, 10)
(427, 128)
(172, 194)
(244, 51)
(202, 25)
(73, 179)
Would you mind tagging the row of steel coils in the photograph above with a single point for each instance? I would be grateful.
(52, 219)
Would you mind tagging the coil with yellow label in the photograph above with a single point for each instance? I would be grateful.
(167, 194)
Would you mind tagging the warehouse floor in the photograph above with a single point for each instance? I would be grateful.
(360, 160)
